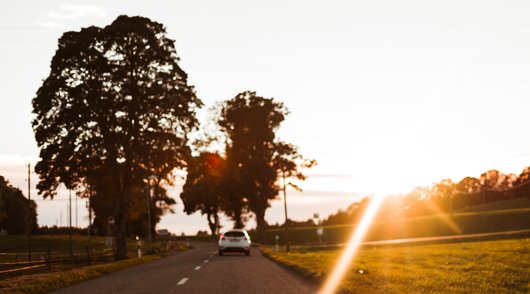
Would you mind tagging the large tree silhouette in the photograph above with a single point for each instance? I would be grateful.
(117, 104)
(255, 158)
(204, 190)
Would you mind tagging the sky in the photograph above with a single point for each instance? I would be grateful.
(385, 95)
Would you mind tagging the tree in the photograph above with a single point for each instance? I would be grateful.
(116, 105)
(255, 159)
(468, 185)
(521, 187)
(496, 181)
(16, 210)
(443, 193)
(204, 190)
(468, 192)
(524, 177)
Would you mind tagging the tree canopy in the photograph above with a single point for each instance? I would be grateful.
(115, 106)
(16, 210)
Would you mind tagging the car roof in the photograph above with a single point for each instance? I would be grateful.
(236, 230)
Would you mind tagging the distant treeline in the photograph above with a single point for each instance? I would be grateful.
(443, 197)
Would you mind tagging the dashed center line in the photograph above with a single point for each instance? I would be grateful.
(182, 282)
(206, 261)
(197, 267)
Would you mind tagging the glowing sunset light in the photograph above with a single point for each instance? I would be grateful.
(349, 251)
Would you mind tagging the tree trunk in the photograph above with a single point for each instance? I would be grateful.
(213, 222)
(238, 221)
(120, 233)
(122, 187)
(261, 225)
(217, 225)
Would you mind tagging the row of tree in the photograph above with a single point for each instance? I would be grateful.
(18, 215)
(445, 196)
(113, 121)
(243, 180)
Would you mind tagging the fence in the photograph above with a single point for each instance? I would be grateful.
(20, 263)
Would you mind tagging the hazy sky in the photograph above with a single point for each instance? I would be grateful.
(386, 95)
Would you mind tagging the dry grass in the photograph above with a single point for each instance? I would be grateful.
(473, 267)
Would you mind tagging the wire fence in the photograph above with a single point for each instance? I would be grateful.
(12, 264)
(21, 263)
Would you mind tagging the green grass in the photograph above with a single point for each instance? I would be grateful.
(501, 266)
(516, 203)
(425, 226)
(46, 282)
(40, 243)
(58, 244)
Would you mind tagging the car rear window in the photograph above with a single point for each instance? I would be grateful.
(234, 234)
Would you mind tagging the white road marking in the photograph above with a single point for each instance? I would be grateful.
(206, 261)
(197, 267)
(182, 282)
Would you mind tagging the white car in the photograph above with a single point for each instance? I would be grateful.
(235, 240)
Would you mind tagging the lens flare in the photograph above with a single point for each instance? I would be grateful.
(348, 253)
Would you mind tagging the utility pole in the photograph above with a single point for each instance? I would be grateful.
(76, 212)
(89, 213)
(29, 212)
(149, 234)
(286, 218)
(70, 221)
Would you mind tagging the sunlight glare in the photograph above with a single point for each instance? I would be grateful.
(348, 253)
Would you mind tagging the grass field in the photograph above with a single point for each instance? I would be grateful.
(516, 203)
(466, 222)
(501, 266)
(40, 243)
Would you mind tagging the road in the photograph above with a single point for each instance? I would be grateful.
(199, 270)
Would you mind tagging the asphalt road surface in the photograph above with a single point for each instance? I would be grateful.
(199, 270)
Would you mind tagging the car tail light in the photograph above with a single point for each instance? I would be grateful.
(245, 238)
(223, 237)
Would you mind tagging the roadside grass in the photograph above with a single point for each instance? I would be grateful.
(68, 272)
(49, 281)
(501, 266)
